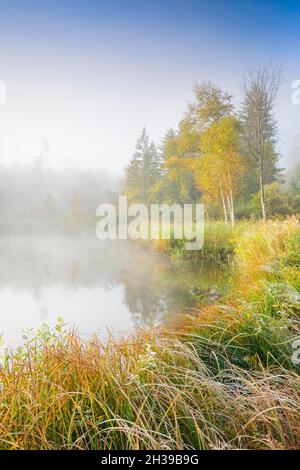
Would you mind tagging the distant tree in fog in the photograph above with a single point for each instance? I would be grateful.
(143, 171)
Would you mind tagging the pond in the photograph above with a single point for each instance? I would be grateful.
(95, 286)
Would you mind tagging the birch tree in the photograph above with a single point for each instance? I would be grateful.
(259, 126)
(221, 167)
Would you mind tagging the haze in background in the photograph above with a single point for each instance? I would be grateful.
(89, 75)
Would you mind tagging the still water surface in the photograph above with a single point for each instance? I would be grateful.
(95, 286)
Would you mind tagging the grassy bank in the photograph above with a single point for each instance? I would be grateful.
(223, 377)
(219, 244)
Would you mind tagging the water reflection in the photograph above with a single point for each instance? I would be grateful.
(93, 285)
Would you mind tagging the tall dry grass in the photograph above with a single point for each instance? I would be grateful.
(147, 393)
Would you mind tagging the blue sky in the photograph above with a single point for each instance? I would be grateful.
(88, 75)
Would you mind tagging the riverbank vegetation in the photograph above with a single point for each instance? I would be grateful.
(219, 242)
(224, 376)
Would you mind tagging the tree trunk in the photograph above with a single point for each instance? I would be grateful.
(224, 208)
(232, 206)
(262, 192)
(230, 209)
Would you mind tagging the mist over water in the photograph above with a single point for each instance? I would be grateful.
(93, 285)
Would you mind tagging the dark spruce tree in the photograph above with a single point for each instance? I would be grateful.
(143, 172)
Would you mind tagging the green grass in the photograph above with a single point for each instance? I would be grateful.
(219, 243)
(222, 378)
